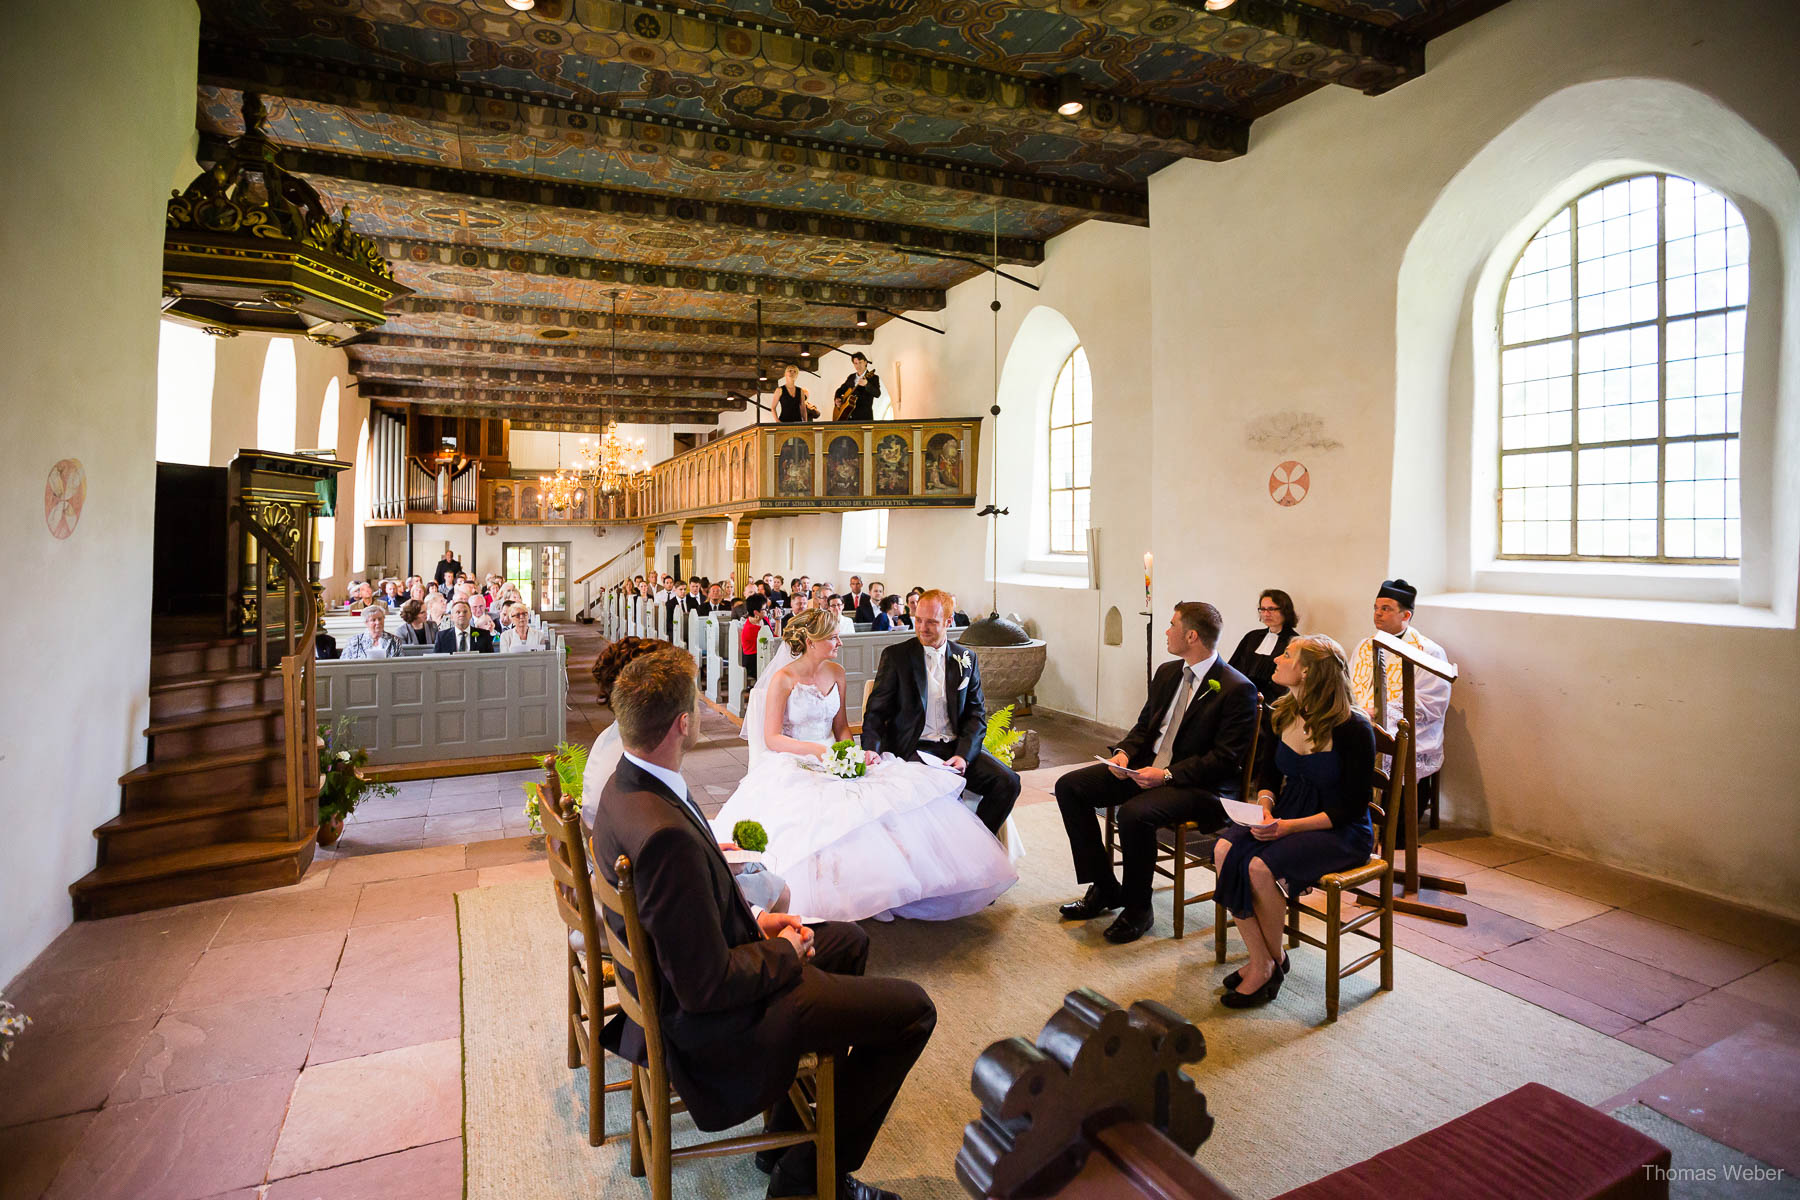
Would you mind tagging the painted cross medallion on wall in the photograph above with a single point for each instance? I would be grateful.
(1288, 484)
(64, 492)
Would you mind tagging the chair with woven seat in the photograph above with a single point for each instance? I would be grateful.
(1177, 852)
(590, 971)
(653, 1102)
(1376, 906)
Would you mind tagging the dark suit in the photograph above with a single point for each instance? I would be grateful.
(448, 566)
(866, 392)
(1205, 764)
(858, 606)
(894, 721)
(737, 1009)
(480, 641)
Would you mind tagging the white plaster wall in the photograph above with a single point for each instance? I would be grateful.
(83, 234)
(1667, 748)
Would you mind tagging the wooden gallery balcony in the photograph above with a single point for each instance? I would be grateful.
(774, 471)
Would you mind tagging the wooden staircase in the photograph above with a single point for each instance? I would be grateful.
(208, 814)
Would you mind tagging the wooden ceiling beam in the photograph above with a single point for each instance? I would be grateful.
(561, 354)
(566, 420)
(822, 69)
(616, 274)
(544, 317)
(507, 112)
(441, 375)
(678, 213)
(673, 401)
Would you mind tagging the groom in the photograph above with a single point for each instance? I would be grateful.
(928, 697)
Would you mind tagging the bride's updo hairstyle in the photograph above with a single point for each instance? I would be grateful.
(612, 660)
(813, 625)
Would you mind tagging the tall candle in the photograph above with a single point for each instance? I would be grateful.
(1148, 560)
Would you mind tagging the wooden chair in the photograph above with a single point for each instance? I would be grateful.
(590, 970)
(1379, 870)
(653, 1103)
(1175, 853)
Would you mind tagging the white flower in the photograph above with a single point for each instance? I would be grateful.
(343, 756)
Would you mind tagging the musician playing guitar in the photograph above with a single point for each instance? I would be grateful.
(855, 400)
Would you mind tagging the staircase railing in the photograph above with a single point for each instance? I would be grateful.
(588, 599)
(299, 626)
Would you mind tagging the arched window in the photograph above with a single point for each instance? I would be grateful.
(1621, 378)
(328, 439)
(277, 403)
(1071, 460)
(184, 388)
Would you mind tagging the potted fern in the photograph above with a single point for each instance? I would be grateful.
(570, 761)
(342, 785)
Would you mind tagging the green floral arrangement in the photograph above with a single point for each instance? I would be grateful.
(845, 760)
(1002, 740)
(748, 835)
(570, 761)
(342, 785)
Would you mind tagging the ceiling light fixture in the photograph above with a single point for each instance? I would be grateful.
(522, 5)
(1069, 101)
(862, 318)
(1219, 5)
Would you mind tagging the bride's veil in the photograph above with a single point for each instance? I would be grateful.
(753, 711)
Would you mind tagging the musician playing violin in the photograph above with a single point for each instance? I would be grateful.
(855, 400)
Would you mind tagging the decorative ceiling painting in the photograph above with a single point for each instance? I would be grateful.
(836, 161)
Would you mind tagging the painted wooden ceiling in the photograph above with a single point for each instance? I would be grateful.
(594, 182)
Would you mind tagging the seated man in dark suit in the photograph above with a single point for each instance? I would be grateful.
(744, 994)
(927, 696)
(1185, 752)
(460, 635)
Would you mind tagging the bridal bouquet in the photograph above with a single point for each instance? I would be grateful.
(846, 760)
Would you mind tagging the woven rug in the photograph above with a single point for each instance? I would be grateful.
(1294, 1098)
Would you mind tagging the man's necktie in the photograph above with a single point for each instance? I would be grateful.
(1167, 751)
(464, 638)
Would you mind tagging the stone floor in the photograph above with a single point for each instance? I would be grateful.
(306, 1042)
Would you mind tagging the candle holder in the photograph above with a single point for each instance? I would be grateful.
(1147, 615)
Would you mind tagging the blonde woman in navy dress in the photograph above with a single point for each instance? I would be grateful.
(1313, 780)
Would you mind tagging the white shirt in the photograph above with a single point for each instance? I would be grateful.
(1198, 671)
(937, 707)
(1266, 647)
(465, 638)
(670, 779)
(510, 641)
(846, 625)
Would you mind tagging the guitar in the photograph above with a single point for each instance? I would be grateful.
(844, 403)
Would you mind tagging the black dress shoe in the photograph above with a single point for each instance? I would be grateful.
(1231, 982)
(849, 1188)
(1256, 999)
(1130, 926)
(765, 1160)
(1096, 903)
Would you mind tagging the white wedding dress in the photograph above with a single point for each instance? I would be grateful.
(898, 842)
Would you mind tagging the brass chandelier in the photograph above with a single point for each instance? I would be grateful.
(562, 487)
(613, 462)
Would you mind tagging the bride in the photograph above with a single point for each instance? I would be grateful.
(896, 842)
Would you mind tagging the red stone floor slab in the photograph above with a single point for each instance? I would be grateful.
(199, 1143)
(107, 995)
(411, 898)
(399, 985)
(67, 1071)
(31, 1155)
(1776, 986)
(1610, 980)
(1414, 937)
(463, 826)
(502, 851)
(251, 970)
(361, 1108)
(1547, 907)
(1486, 931)
(164, 934)
(1717, 919)
(399, 948)
(1718, 1015)
(266, 918)
(398, 865)
(433, 1172)
(1544, 995)
(222, 1042)
(1665, 1046)
(1691, 955)
(513, 872)
(1743, 1091)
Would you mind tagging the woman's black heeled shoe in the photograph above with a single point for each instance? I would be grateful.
(1237, 977)
(1256, 999)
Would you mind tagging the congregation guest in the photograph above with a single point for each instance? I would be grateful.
(876, 592)
(780, 594)
(519, 634)
(715, 598)
(676, 599)
(1185, 752)
(361, 596)
(755, 620)
(1431, 695)
(414, 629)
(1313, 784)
(858, 604)
(845, 626)
(390, 594)
(960, 619)
(374, 641)
(912, 608)
(435, 608)
(889, 616)
(764, 889)
(460, 636)
(742, 995)
(1256, 654)
(802, 587)
(447, 568)
(325, 647)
